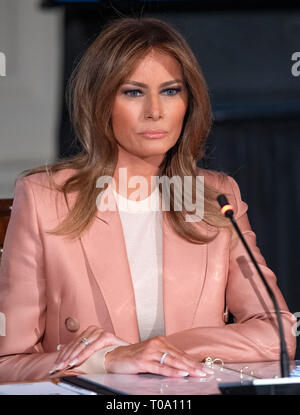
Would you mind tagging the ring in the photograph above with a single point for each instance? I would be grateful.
(85, 341)
(163, 358)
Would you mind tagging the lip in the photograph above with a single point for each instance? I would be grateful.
(153, 133)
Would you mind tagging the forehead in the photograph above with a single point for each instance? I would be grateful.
(157, 64)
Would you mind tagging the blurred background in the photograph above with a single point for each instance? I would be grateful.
(248, 58)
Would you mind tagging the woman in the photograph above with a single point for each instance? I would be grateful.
(85, 289)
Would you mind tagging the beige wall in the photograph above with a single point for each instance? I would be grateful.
(31, 39)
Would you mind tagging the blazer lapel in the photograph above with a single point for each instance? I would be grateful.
(184, 270)
(105, 249)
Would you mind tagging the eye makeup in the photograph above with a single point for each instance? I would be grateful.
(127, 91)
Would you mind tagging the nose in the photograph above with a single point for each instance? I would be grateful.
(153, 107)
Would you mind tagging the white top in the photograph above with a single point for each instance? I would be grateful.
(141, 223)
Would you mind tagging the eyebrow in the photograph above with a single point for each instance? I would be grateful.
(174, 81)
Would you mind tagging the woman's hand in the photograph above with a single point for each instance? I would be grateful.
(76, 352)
(144, 357)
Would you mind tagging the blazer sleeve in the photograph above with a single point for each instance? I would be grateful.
(254, 334)
(23, 294)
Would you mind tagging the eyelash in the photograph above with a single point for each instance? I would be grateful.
(138, 90)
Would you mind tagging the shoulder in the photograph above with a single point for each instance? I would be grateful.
(221, 182)
(216, 179)
(36, 191)
(40, 187)
(44, 178)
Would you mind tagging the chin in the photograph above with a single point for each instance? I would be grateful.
(156, 149)
(146, 155)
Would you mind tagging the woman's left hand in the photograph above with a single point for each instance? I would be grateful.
(76, 352)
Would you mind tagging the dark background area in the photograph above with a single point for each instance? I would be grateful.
(245, 55)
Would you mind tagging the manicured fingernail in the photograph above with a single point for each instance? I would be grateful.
(209, 371)
(73, 362)
(200, 373)
(57, 367)
(52, 370)
(181, 373)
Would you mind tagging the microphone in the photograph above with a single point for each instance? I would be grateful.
(227, 210)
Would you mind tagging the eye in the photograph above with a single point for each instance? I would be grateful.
(174, 91)
(132, 92)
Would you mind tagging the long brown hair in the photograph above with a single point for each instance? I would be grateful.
(90, 95)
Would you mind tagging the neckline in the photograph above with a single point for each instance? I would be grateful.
(150, 203)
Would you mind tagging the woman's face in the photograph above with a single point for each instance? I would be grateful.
(152, 98)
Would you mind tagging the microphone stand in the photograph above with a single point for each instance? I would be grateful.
(227, 210)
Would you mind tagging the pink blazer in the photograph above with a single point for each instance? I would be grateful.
(51, 288)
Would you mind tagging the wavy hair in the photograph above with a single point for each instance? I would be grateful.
(93, 84)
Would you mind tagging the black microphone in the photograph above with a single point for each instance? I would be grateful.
(227, 210)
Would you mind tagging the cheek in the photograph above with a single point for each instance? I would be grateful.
(178, 113)
(123, 118)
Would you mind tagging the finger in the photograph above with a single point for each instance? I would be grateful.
(183, 364)
(61, 365)
(205, 370)
(195, 364)
(105, 340)
(191, 363)
(180, 358)
(159, 369)
(80, 352)
(78, 345)
(75, 343)
(61, 346)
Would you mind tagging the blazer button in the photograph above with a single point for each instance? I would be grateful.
(72, 324)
